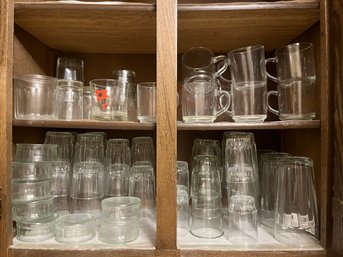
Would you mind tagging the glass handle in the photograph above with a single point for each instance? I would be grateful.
(268, 75)
(223, 94)
(222, 69)
(272, 110)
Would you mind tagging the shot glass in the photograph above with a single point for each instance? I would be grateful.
(75, 228)
(36, 152)
(70, 69)
(296, 213)
(111, 99)
(69, 100)
(34, 96)
(146, 102)
(36, 231)
(242, 229)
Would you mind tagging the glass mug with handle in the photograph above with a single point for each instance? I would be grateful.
(248, 84)
(296, 78)
(200, 97)
(202, 59)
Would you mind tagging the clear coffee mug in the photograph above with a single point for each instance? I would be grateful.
(296, 78)
(200, 96)
(248, 84)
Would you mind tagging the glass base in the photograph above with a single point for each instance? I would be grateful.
(146, 119)
(249, 118)
(296, 239)
(307, 116)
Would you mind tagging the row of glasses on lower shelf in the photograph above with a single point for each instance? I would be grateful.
(276, 189)
(61, 177)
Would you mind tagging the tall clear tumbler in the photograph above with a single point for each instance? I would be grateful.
(70, 69)
(146, 102)
(248, 84)
(296, 214)
(296, 78)
(200, 97)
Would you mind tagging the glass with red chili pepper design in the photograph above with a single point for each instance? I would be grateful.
(111, 99)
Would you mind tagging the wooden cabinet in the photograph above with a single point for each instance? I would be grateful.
(150, 39)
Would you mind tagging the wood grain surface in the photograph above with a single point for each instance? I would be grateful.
(166, 123)
(6, 46)
(335, 22)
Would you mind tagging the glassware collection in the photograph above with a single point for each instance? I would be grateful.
(76, 185)
(245, 98)
(272, 189)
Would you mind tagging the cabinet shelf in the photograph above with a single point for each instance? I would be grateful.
(112, 27)
(85, 124)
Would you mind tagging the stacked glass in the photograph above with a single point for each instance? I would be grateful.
(61, 175)
(33, 204)
(87, 183)
(241, 176)
(206, 210)
(182, 197)
(119, 219)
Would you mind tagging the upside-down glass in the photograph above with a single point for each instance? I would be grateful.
(110, 99)
(296, 213)
(248, 84)
(89, 148)
(268, 185)
(182, 197)
(201, 59)
(61, 176)
(128, 76)
(143, 151)
(65, 141)
(70, 69)
(296, 78)
(199, 98)
(243, 218)
(34, 97)
(69, 100)
(146, 102)
(118, 151)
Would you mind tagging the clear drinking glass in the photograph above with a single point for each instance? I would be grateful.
(128, 76)
(243, 219)
(143, 151)
(31, 171)
(296, 78)
(143, 188)
(117, 179)
(87, 103)
(111, 99)
(120, 208)
(200, 97)
(118, 232)
(36, 152)
(182, 197)
(202, 59)
(89, 148)
(69, 100)
(146, 102)
(248, 84)
(65, 141)
(70, 69)
(61, 177)
(268, 185)
(62, 205)
(75, 228)
(118, 151)
(36, 231)
(32, 211)
(296, 213)
(30, 191)
(34, 97)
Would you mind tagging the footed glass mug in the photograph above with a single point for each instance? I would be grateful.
(248, 84)
(296, 78)
(200, 97)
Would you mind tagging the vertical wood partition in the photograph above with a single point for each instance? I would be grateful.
(166, 123)
(6, 43)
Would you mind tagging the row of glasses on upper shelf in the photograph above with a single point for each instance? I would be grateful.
(270, 188)
(63, 182)
(206, 93)
(67, 98)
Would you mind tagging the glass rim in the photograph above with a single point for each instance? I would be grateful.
(284, 50)
(99, 83)
(147, 84)
(45, 221)
(36, 78)
(245, 49)
(70, 60)
(34, 203)
(296, 160)
(74, 83)
(124, 72)
(120, 202)
(206, 157)
(80, 218)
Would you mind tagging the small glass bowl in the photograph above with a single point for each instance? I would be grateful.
(75, 228)
(118, 232)
(36, 152)
(32, 211)
(120, 208)
(30, 191)
(31, 171)
(36, 231)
